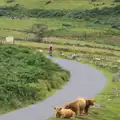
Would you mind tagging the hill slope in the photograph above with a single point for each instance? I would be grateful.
(26, 77)
(61, 4)
(75, 26)
(80, 20)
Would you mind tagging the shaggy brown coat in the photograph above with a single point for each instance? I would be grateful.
(80, 105)
(64, 113)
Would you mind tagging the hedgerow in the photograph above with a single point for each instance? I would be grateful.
(19, 11)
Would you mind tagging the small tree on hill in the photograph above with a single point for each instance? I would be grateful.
(39, 30)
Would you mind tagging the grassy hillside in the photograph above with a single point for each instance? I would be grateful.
(97, 24)
(88, 28)
(79, 30)
(61, 4)
(26, 77)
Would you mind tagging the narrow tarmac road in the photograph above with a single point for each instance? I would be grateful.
(85, 82)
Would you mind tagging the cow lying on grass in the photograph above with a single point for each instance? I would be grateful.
(64, 113)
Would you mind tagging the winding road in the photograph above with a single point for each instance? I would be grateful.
(85, 82)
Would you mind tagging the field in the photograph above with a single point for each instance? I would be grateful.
(60, 4)
(85, 31)
(100, 25)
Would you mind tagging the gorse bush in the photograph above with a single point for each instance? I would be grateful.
(116, 0)
(26, 77)
(10, 1)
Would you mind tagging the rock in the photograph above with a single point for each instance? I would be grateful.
(40, 50)
(97, 59)
(73, 55)
(61, 53)
(78, 58)
(69, 56)
(96, 106)
(118, 61)
(116, 78)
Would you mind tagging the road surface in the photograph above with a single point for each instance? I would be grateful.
(85, 82)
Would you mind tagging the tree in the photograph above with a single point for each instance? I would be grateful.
(39, 30)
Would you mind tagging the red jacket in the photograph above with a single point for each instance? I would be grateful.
(50, 47)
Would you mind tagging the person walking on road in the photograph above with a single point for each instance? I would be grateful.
(50, 50)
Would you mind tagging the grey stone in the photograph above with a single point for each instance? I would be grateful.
(96, 106)
(116, 78)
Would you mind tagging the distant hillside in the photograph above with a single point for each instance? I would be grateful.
(19, 11)
(61, 4)
(91, 20)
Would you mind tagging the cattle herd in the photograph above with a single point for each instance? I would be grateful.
(73, 109)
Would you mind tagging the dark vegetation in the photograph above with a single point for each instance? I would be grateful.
(10, 1)
(19, 11)
(26, 76)
(48, 2)
(39, 30)
(116, 0)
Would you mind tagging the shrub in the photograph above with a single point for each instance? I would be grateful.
(26, 77)
(116, 0)
(10, 1)
(19, 11)
(39, 30)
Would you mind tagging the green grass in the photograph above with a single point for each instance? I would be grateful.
(51, 23)
(80, 30)
(108, 55)
(70, 48)
(27, 77)
(16, 24)
(60, 4)
(16, 34)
